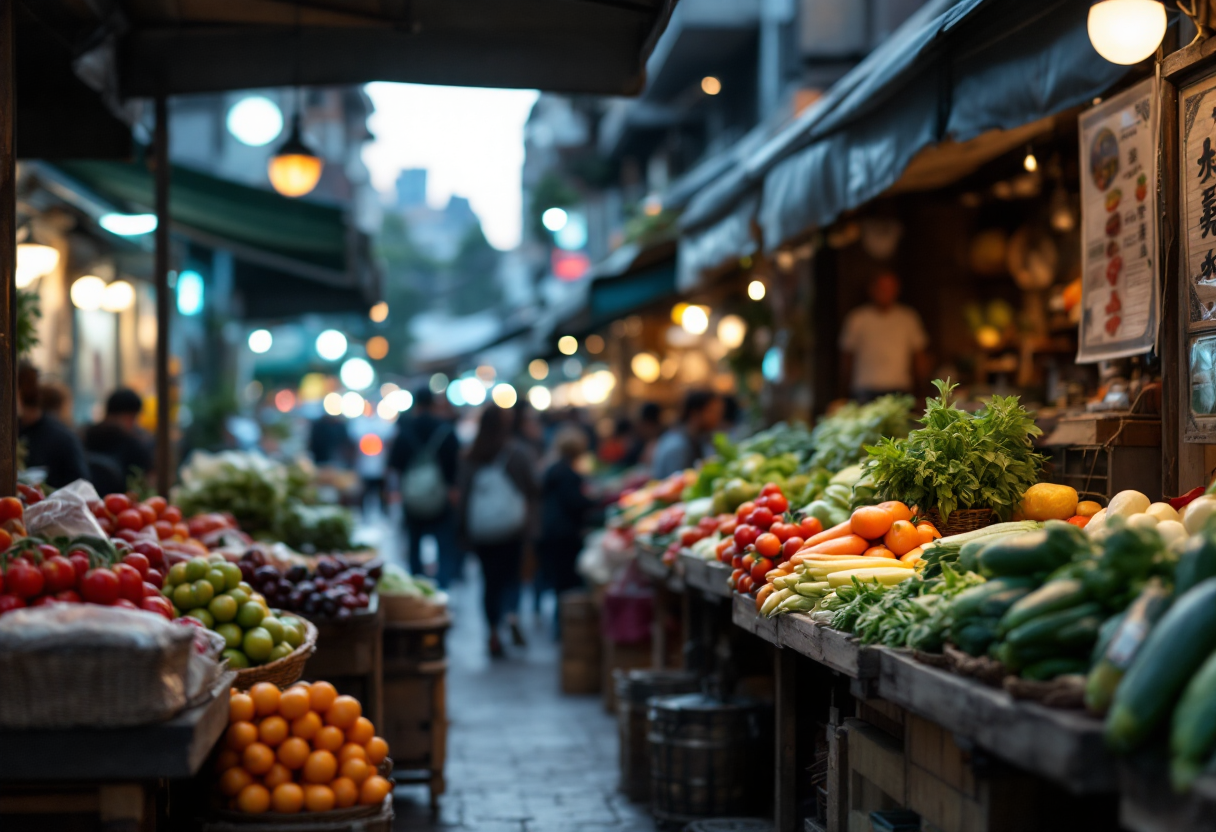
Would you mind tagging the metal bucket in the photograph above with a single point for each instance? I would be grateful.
(708, 758)
(633, 689)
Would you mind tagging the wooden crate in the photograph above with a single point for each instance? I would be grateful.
(415, 700)
(130, 807)
(581, 666)
(350, 655)
(621, 657)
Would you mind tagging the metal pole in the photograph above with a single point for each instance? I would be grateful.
(164, 446)
(8, 255)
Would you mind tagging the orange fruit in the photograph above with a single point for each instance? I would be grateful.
(233, 780)
(361, 731)
(898, 509)
(306, 727)
(374, 790)
(265, 698)
(240, 708)
(287, 798)
(350, 751)
(293, 753)
(253, 799)
(357, 770)
(293, 704)
(377, 750)
(321, 695)
(343, 712)
(927, 531)
(318, 798)
(871, 522)
(346, 792)
(879, 551)
(277, 776)
(902, 538)
(273, 730)
(241, 734)
(257, 758)
(226, 759)
(320, 767)
(329, 738)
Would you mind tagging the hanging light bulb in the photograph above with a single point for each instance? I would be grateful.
(33, 261)
(1126, 31)
(294, 169)
(1030, 163)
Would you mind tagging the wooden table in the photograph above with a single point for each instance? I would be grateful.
(415, 701)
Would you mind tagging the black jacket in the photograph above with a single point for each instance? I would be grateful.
(412, 437)
(50, 444)
(564, 507)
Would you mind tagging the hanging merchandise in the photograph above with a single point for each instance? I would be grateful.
(1120, 290)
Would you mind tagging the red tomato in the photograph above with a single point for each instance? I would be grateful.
(24, 579)
(791, 547)
(745, 535)
(768, 545)
(130, 582)
(181, 530)
(729, 553)
(690, 536)
(11, 509)
(100, 586)
(47, 551)
(761, 501)
(80, 563)
(6, 540)
(744, 510)
(744, 584)
(147, 513)
(761, 518)
(58, 573)
(150, 589)
(153, 552)
(157, 504)
(722, 546)
(736, 561)
(158, 604)
(44, 601)
(759, 569)
(129, 519)
(29, 494)
(140, 562)
(784, 531)
(708, 524)
(10, 602)
(173, 514)
(1, 582)
(125, 604)
(126, 535)
(735, 576)
(98, 507)
(770, 488)
(777, 504)
(727, 527)
(810, 527)
(116, 503)
(68, 596)
(155, 578)
(106, 524)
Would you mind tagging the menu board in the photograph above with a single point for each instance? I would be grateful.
(1120, 295)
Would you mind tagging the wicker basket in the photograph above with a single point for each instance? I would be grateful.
(286, 670)
(378, 818)
(962, 520)
(400, 607)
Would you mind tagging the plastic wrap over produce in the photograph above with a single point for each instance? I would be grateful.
(68, 665)
(65, 513)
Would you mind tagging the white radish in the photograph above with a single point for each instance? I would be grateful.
(1163, 512)
(1171, 532)
(1198, 512)
(1127, 503)
(1142, 521)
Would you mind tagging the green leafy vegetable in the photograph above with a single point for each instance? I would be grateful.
(839, 440)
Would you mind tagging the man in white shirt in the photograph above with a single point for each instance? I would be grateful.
(883, 344)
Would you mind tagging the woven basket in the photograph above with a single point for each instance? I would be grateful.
(286, 670)
(962, 520)
(378, 818)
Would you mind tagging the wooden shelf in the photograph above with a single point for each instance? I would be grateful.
(650, 561)
(744, 614)
(708, 577)
(833, 648)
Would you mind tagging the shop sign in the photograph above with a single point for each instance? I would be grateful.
(1120, 290)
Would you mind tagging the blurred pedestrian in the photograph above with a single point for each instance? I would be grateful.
(49, 444)
(498, 489)
(683, 445)
(117, 445)
(614, 449)
(56, 401)
(646, 434)
(564, 508)
(329, 443)
(426, 457)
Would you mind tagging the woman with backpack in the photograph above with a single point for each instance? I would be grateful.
(498, 489)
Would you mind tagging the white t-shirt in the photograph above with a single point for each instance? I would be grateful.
(882, 344)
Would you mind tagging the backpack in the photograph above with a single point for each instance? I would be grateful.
(424, 492)
(497, 511)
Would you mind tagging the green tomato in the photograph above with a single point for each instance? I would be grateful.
(257, 645)
(233, 634)
(280, 651)
(293, 636)
(232, 575)
(246, 588)
(203, 592)
(273, 626)
(196, 569)
(217, 580)
(183, 597)
(200, 614)
(177, 574)
(250, 615)
(223, 607)
(216, 559)
(236, 659)
(240, 596)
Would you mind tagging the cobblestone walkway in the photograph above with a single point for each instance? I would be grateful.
(521, 756)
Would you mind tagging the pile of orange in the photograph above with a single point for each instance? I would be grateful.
(304, 749)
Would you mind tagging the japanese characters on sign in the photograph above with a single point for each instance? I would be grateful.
(1120, 295)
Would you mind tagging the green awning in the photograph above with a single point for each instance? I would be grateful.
(616, 297)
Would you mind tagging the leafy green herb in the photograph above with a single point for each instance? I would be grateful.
(839, 440)
(960, 460)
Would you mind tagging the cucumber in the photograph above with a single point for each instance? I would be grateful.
(967, 603)
(1080, 633)
(994, 606)
(970, 550)
(1182, 640)
(1112, 658)
(1025, 554)
(974, 636)
(1016, 658)
(1105, 635)
(1048, 669)
(1193, 734)
(1044, 629)
(1197, 563)
(1051, 597)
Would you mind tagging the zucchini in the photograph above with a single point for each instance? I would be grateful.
(967, 603)
(1016, 658)
(994, 606)
(1080, 633)
(1197, 563)
(1047, 669)
(1112, 659)
(1193, 734)
(1182, 640)
(974, 636)
(1051, 597)
(1024, 554)
(1043, 630)
(969, 551)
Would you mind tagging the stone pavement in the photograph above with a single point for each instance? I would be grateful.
(521, 756)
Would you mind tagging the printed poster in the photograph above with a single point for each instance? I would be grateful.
(1120, 298)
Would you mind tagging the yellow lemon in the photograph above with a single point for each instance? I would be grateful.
(1088, 508)
(1048, 501)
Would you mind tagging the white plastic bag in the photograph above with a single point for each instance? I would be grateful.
(65, 513)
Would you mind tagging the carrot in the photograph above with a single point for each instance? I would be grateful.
(848, 545)
(913, 556)
(879, 551)
(808, 556)
(837, 531)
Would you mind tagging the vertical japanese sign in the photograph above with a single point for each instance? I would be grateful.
(1120, 298)
(1197, 216)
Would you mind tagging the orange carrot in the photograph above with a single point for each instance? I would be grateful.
(837, 531)
(848, 545)
(913, 556)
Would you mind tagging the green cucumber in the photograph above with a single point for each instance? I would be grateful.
(970, 550)
(1193, 734)
(1043, 630)
(967, 603)
(1112, 659)
(1047, 669)
(1182, 640)
(994, 606)
(1105, 635)
(1052, 596)
(1197, 563)
(1080, 633)
(975, 635)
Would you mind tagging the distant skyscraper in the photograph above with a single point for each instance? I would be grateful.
(411, 188)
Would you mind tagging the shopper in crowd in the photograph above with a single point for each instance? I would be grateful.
(329, 443)
(56, 401)
(529, 434)
(645, 434)
(564, 510)
(116, 446)
(49, 444)
(498, 489)
(614, 449)
(681, 446)
(425, 457)
(882, 344)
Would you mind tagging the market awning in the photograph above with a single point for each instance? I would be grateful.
(170, 47)
(717, 247)
(634, 276)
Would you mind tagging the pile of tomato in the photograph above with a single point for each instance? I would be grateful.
(760, 535)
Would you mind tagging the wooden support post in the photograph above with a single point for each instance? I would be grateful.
(785, 742)
(164, 446)
(8, 254)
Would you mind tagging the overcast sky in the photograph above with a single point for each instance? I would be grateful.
(471, 140)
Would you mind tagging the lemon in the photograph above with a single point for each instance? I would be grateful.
(1048, 501)
(1088, 508)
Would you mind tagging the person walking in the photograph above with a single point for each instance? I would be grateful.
(117, 450)
(563, 514)
(49, 444)
(498, 489)
(426, 458)
(681, 446)
(882, 344)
